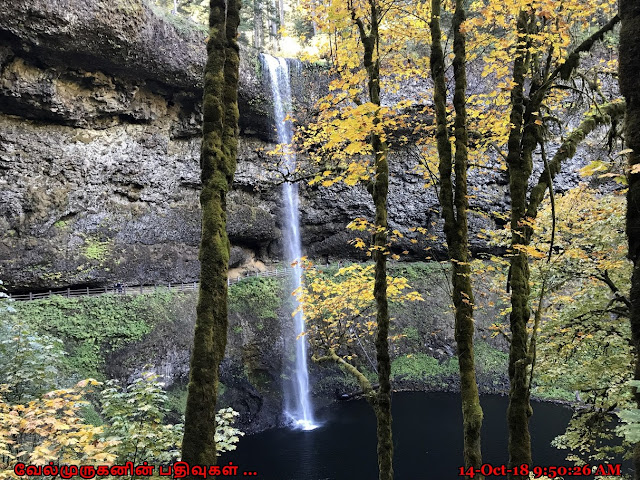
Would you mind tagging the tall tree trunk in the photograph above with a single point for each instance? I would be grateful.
(630, 86)
(378, 189)
(523, 139)
(383, 402)
(258, 25)
(281, 13)
(272, 23)
(462, 291)
(520, 167)
(454, 210)
(379, 193)
(218, 164)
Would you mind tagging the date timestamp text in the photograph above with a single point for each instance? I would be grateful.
(551, 471)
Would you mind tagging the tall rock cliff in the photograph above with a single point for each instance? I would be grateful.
(99, 154)
(99, 146)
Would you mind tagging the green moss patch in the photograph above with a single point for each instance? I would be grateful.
(92, 327)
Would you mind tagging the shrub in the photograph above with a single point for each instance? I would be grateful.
(29, 362)
(259, 296)
(135, 414)
(422, 367)
(51, 428)
(92, 327)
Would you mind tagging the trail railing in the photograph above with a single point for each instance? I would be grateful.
(121, 289)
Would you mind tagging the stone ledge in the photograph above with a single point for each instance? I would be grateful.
(120, 37)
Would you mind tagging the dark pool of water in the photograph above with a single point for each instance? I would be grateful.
(427, 434)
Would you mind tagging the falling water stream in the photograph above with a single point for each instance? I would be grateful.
(298, 407)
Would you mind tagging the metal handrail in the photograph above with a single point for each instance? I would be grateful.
(140, 289)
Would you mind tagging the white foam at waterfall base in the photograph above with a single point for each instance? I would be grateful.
(298, 408)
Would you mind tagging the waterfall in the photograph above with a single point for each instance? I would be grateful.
(298, 404)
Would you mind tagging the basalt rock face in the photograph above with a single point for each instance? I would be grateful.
(99, 147)
(99, 154)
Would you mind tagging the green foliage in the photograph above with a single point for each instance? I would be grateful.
(411, 334)
(490, 360)
(419, 271)
(135, 415)
(259, 296)
(631, 419)
(631, 429)
(590, 437)
(177, 400)
(226, 435)
(94, 326)
(548, 392)
(97, 250)
(90, 415)
(29, 362)
(422, 367)
(584, 340)
(61, 224)
(595, 366)
(63, 426)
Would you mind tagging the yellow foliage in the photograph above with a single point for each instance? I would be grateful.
(347, 119)
(340, 309)
(51, 429)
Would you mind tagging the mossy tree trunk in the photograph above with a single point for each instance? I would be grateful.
(218, 164)
(455, 204)
(630, 88)
(524, 136)
(519, 165)
(378, 189)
